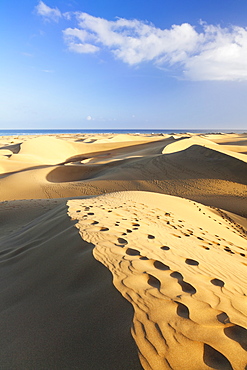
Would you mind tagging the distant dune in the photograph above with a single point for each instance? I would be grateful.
(123, 252)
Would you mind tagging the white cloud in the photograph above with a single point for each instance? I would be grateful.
(48, 13)
(71, 33)
(213, 53)
(89, 118)
(134, 41)
(222, 55)
(82, 48)
(71, 37)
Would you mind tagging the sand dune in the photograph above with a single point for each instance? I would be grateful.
(203, 172)
(104, 263)
(173, 260)
(180, 264)
(235, 151)
(228, 139)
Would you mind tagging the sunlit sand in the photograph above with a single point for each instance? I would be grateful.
(123, 252)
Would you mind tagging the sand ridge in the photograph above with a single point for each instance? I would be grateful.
(67, 166)
(173, 260)
(230, 150)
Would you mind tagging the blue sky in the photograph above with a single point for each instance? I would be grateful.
(124, 64)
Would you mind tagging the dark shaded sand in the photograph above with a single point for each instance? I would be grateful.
(58, 307)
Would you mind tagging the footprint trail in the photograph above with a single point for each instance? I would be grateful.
(170, 258)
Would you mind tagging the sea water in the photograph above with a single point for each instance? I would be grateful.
(18, 132)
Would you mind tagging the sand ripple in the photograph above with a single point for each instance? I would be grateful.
(183, 267)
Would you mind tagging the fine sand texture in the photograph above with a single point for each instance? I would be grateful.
(123, 252)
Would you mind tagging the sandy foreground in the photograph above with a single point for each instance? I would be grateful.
(123, 252)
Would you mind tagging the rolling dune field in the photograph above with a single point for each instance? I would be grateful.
(123, 252)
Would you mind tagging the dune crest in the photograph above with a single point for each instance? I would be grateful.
(187, 165)
(186, 143)
(182, 265)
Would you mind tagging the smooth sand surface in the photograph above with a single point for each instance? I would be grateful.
(123, 252)
(188, 166)
(58, 307)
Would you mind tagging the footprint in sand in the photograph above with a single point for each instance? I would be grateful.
(165, 248)
(132, 252)
(154, 282)
(217, 282)
(223, 318)
(238, 334)
(122, 241)
(182, 310)
(191, 262)
(161, 266)
(186, 287)
(176, 236)
(227, 249)
(215, 359)
(104, 229)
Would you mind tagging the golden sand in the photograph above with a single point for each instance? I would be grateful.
(123, 252)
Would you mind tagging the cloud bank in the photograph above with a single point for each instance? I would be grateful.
(213, 53)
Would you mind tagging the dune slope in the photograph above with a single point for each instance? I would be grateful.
(58, 307)
(123, 252)
(182, 265)
(192, 167)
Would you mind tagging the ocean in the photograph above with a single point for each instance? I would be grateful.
(18, 132)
